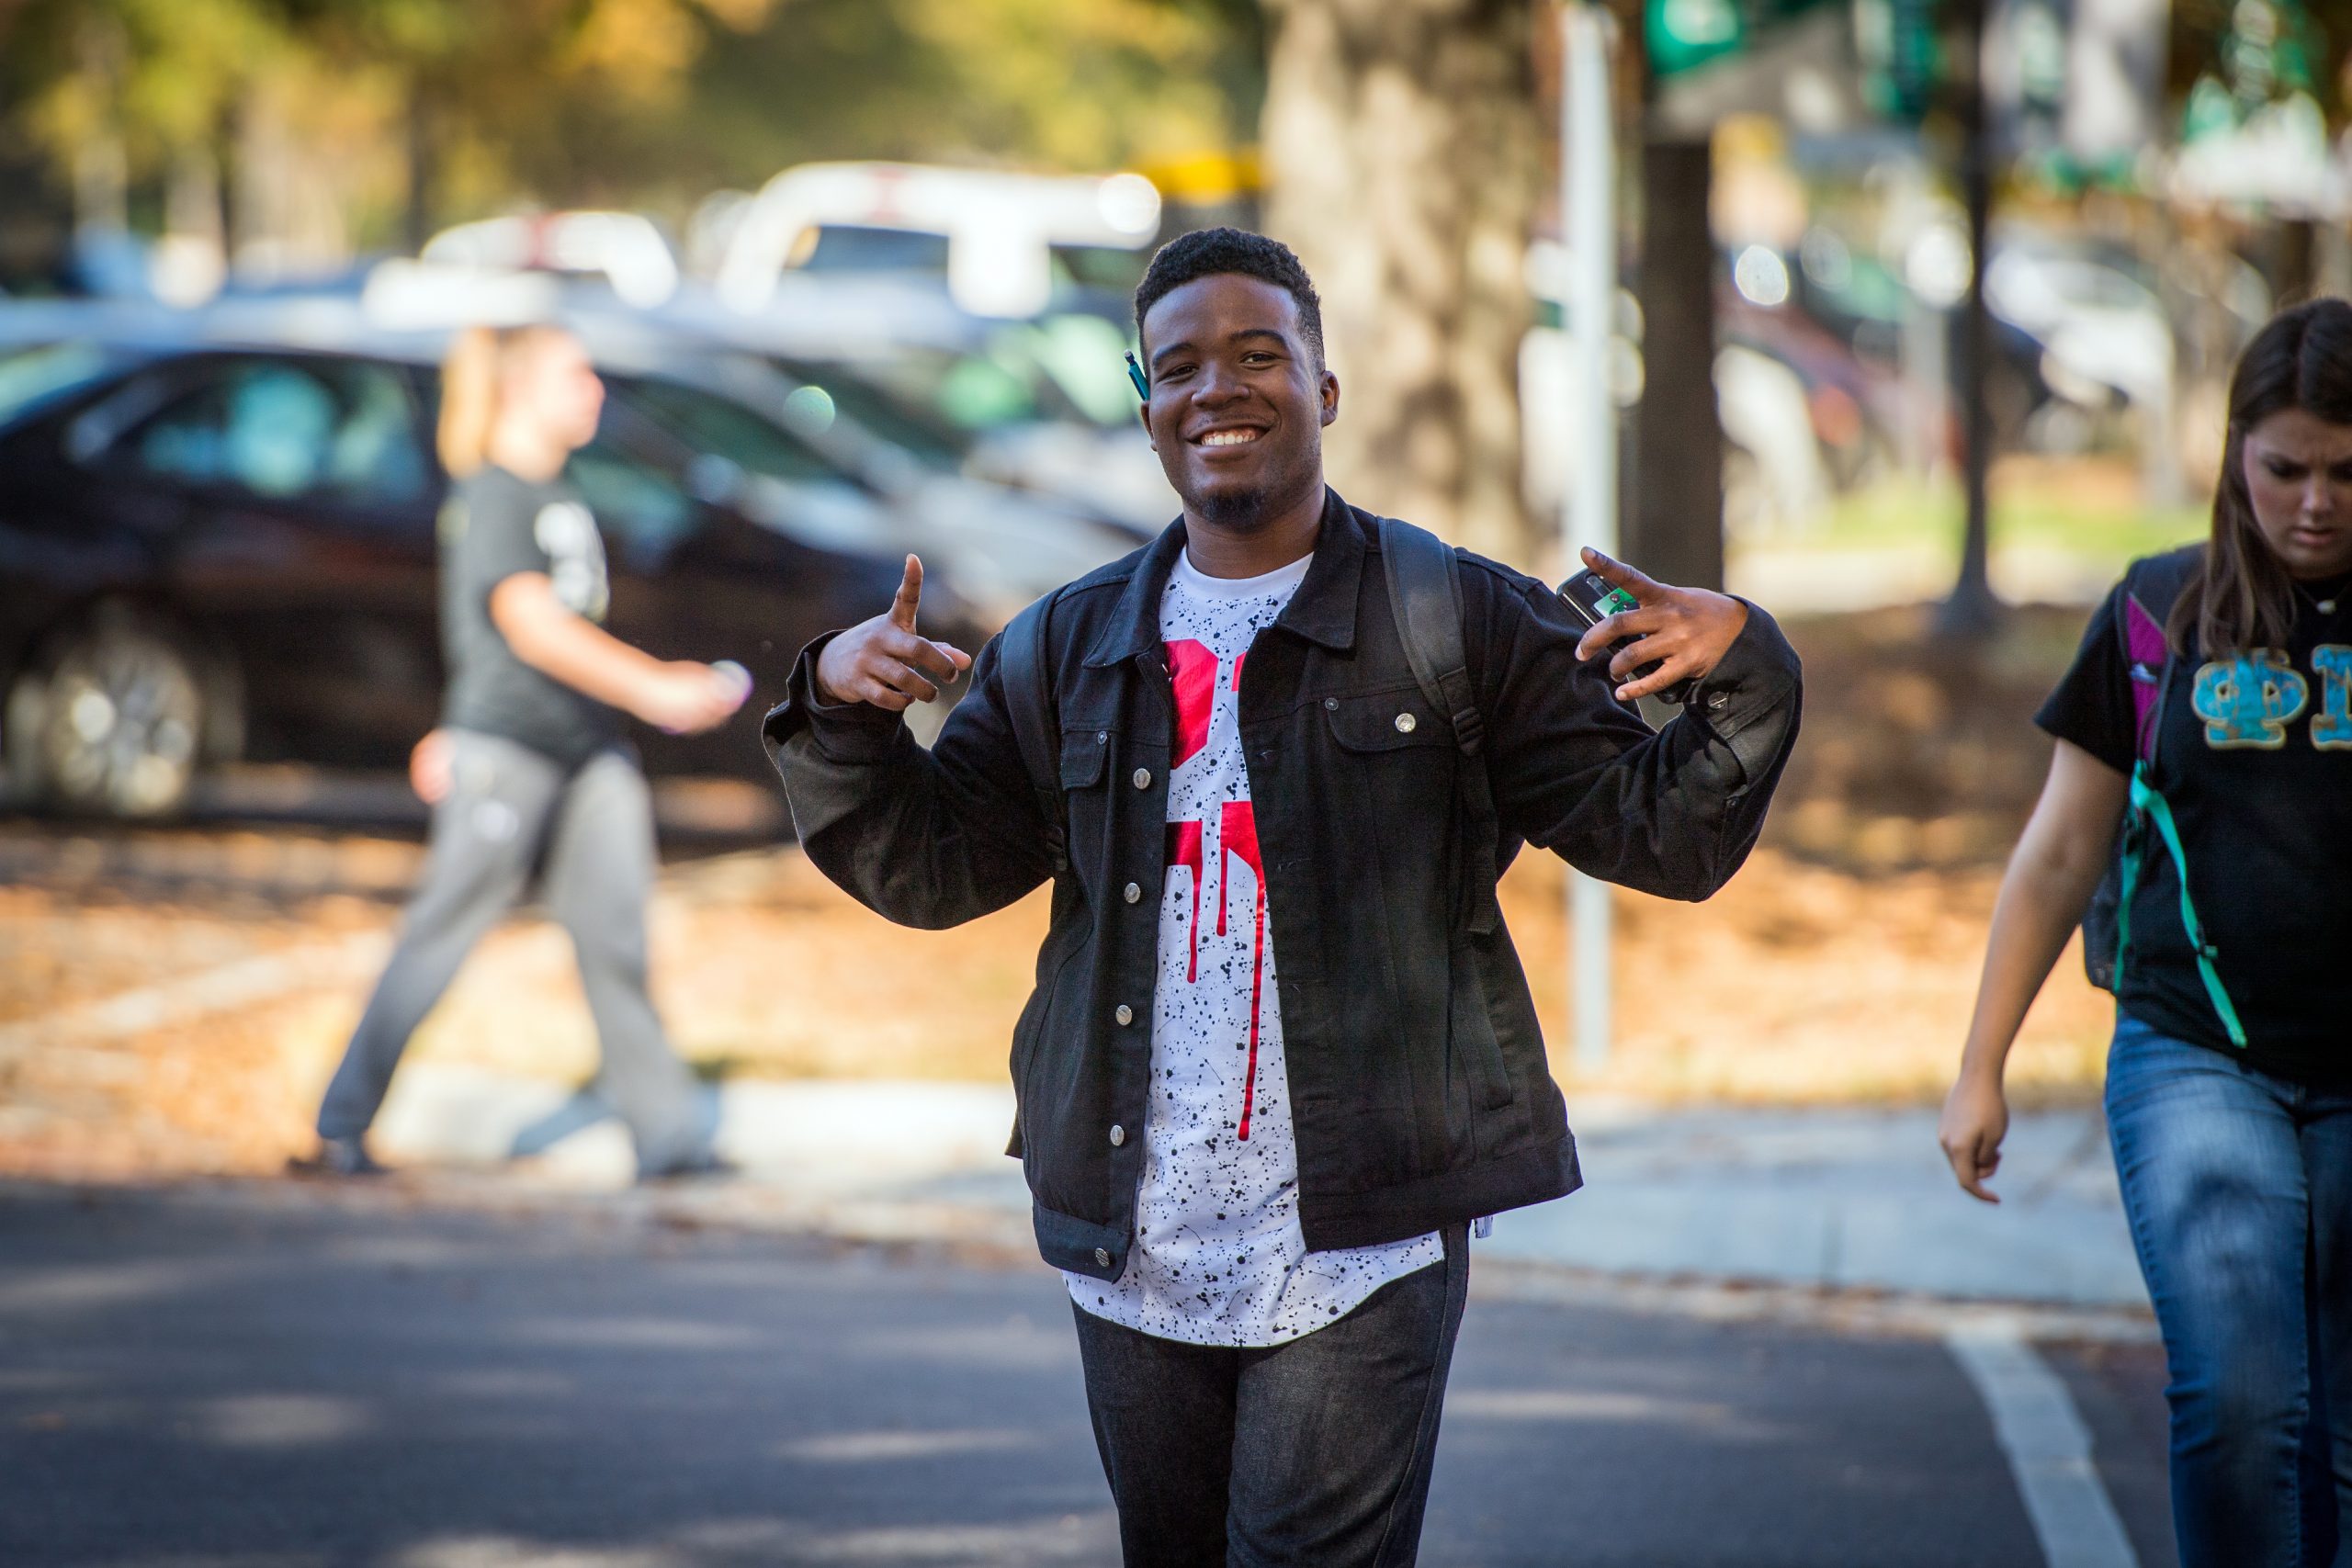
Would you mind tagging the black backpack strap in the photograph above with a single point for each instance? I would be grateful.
(2151, 585)
(1425, 595)
(1029, 703)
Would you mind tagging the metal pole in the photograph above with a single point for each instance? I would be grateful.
(1588, 218)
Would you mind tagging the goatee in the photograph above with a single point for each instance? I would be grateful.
(1237, 510)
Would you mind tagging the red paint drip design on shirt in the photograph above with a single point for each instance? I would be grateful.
(1192, 673)
(1238, 835)
(1191, 668)
(1184, 850)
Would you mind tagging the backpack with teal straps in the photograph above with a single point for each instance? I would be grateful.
(2149, 590)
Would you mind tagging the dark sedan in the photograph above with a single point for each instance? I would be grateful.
(215, 553)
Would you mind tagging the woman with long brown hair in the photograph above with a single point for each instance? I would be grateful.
(528, 770)
(2209, 717)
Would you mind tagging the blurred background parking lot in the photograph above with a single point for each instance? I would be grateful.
(1907, 319)
(857, 273)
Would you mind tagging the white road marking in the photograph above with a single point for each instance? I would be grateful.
(2048, 1447)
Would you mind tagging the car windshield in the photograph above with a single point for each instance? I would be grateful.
(902, 421)
(1063, 368)
(32, 377)
(717, 426)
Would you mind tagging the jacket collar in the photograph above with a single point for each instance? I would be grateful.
(1323, 610)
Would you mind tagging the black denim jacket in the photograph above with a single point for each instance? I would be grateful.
(1419, 1091)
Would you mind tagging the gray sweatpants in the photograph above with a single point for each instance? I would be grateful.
(508, 810)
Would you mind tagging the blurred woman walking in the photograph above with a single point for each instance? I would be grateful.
(2207, 717)
(528, 771)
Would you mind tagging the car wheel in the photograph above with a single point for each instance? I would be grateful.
(115, 722)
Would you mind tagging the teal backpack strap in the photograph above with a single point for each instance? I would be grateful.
(2148, 806)
(1425, 597)
(2151, 807)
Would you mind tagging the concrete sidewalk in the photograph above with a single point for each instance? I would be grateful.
(1839, 1199)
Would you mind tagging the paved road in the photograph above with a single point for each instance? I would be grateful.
(266, 1378)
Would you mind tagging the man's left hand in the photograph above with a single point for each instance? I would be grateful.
(1686, 631)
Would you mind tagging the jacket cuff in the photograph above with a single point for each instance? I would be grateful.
(1757, 676)
(1749, 702)
(842, 732)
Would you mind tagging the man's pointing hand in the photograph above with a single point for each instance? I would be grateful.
(1686, 631)
(884, 662)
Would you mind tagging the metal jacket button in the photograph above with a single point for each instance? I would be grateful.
(1118, 1135)
(1143, 778)
(1331, 705)
(1134, 894)
(1102, 1256)
(1406, 724)
(1125, 1014)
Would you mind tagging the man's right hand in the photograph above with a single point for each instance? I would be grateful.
(882, 661)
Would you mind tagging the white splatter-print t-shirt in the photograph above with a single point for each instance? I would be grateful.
(1218, 1256)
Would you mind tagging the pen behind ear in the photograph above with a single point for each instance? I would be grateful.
(1135, 374)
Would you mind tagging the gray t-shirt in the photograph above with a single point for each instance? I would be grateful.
(492, 526)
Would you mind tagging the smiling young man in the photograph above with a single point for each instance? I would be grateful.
(1280, 1052)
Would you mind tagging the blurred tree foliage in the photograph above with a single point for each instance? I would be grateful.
(1403, 141)
(445, 110)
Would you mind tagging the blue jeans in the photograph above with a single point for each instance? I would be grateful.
(2238, 1186)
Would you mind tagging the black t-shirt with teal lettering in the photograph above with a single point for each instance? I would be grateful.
(492, 526)
(2253, 755)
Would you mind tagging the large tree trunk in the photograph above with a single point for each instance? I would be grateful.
(1401, 142)
(1677, 523)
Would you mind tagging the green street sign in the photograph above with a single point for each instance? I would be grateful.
(1901, 58)
(1682, 34)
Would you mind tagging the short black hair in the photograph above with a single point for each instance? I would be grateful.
(1206, 253)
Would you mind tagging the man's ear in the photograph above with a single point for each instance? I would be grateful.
(1143, 417)
(1330, 397)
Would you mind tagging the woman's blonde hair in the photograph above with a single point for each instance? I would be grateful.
(473, 377)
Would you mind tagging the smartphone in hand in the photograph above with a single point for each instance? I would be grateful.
(1594, 599)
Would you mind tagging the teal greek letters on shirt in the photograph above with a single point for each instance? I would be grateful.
(2250, 700)
(2331, 730)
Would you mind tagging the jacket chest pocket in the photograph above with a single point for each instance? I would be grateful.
(1085, 762)
(1400, 753)
(1389, 810)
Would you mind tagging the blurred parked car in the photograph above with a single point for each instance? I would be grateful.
(1001, 241)
(210, 552)
(2106, 343)
(1041, 405)
(625, 250)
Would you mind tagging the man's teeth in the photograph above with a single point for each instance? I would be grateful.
(1229, 437)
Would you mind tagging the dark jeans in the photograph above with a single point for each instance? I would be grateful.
(2239, 1190)
(1316, 1452)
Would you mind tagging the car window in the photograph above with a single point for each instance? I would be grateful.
(727, 429)
(290, 428)
(32, 377)
(1015, 379)
(898, 420)
(645, 509)
(845, 247)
